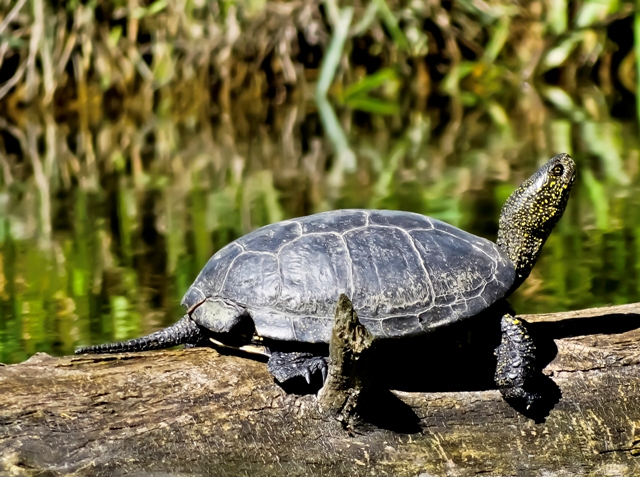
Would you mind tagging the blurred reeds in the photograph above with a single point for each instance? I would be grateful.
(106, 57)
(69, 68)
(137, 138)
(117, 251)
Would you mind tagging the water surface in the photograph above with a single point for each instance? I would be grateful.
(103, 226)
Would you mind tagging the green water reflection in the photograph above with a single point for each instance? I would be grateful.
(103, 229)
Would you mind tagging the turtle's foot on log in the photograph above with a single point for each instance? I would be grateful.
(285, 366)
(516, 364)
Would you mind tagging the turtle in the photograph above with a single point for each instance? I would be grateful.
(405, 273)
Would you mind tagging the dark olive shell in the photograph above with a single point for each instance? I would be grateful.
(405, 273)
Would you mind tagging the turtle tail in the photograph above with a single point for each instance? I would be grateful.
(185, 331)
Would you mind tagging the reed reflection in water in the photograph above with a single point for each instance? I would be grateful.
(105, 223)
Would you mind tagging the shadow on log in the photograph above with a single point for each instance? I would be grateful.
(197, 412)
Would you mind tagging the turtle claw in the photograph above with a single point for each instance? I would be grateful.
(285, 366)
(516, 371)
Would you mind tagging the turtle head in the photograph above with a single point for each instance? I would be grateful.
(531, 212)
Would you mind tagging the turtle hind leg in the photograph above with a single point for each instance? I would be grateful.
(286, 366)
(516, 370)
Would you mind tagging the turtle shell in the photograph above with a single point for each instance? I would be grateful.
(406, 274)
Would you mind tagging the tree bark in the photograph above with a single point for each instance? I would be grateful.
(198, 412)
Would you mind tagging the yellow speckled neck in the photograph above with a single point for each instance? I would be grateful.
(530, 213)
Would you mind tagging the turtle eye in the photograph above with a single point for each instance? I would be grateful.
(557, 170)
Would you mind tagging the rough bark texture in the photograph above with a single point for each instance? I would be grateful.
(197, 412)
(348, 374)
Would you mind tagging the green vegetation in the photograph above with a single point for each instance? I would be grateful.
(120, 252)
(171, 56)
(137, 138)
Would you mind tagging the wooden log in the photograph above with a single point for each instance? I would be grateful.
(349, 374)
(198, 412)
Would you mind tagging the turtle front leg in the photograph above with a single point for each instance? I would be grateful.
(285, 366)
(516, 364)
